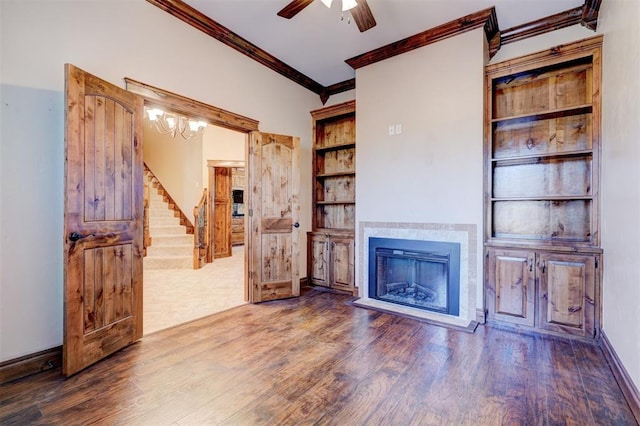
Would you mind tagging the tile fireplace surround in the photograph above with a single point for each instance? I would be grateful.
(464, 234)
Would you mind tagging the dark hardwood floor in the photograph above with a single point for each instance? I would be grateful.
(319, 360)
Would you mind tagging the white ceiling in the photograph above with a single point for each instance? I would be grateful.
(316, 42)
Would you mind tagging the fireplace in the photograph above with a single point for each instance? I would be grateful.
(415, 273)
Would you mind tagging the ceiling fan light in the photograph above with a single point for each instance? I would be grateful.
(327, 3)
(348, 4)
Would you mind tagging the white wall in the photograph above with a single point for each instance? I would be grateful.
(432, 172)
(111, 39)
(221, 144)
(175, 162)
(620, 188)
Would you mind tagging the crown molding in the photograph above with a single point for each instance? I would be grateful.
(586, 15)
(198, 20)
(590, 12)
(541, 26)
(340, 87)
(485, 18)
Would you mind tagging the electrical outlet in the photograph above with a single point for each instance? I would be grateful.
(398, 129)
(392, 130)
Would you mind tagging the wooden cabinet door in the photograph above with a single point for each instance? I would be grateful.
(220, 187)
(510, 290)
(567, 293)
(272, 195)
(318, 259)
(102, 219)
(342, 259)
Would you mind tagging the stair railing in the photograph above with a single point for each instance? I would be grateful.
(155, 183)
(146, 240)
(201, 232)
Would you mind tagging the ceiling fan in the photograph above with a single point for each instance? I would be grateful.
(361, 12)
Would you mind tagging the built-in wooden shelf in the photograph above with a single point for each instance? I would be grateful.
(335, 147)
(546, 115)
(336, 174)
(526, 159)
(331, 203)
(542, 202)
(545, 198)
(331, 244)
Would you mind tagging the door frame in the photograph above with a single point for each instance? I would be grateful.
(211, 166)
(163, 99)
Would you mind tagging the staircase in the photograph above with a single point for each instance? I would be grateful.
(171, 247)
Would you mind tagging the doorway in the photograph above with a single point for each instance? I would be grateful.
(174, 291)
(174, 296)
(103, 226)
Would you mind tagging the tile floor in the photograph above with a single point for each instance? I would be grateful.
(176, 296)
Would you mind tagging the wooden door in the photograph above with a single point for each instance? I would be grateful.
(342, 263)
(222, 205)
(511, 286)
(318, 259)
(103, 219)
(567, 293)
(273, 209)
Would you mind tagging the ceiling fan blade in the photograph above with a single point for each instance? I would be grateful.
(363, 16)
(293, 8)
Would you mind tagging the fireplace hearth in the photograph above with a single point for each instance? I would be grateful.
(415, 273)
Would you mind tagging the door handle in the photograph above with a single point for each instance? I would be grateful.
(75, 236)
(296, 225)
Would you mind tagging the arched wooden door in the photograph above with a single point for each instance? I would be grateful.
(273, 234)
(103, 219)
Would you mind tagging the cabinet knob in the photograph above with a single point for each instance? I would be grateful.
(296, 225)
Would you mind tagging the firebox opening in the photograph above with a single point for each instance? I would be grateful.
(420, 274)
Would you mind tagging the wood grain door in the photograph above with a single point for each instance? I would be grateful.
(273, 208)
(222, 206)
(511, 286)
(567, 293)
(318, 259)
(103, 219)
(342, 263)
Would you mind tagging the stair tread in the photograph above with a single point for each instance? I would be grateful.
(171, 246)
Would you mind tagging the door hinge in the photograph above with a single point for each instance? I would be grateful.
(250, 150)
(596, 263)
(250, 212)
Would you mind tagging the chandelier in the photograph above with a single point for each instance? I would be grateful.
(168, 123)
